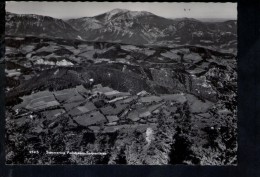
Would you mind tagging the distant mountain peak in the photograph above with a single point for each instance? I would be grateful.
(133, 13)
(11, 14)
(110, 15)
(140, 13)
(117, 10)
(38, 25)
(125, 26)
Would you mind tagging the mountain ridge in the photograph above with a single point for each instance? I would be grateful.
(38, 25)
(125, 26)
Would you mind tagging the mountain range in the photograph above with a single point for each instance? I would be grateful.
(124, 26)
(37, 25)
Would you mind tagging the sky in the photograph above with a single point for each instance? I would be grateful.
(66, 10)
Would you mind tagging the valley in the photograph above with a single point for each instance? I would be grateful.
(140, 104)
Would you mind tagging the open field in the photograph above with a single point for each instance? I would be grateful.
(95, 96)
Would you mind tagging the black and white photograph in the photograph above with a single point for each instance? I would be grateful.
(121, 83)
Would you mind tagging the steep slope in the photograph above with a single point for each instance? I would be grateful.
(37, 25)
